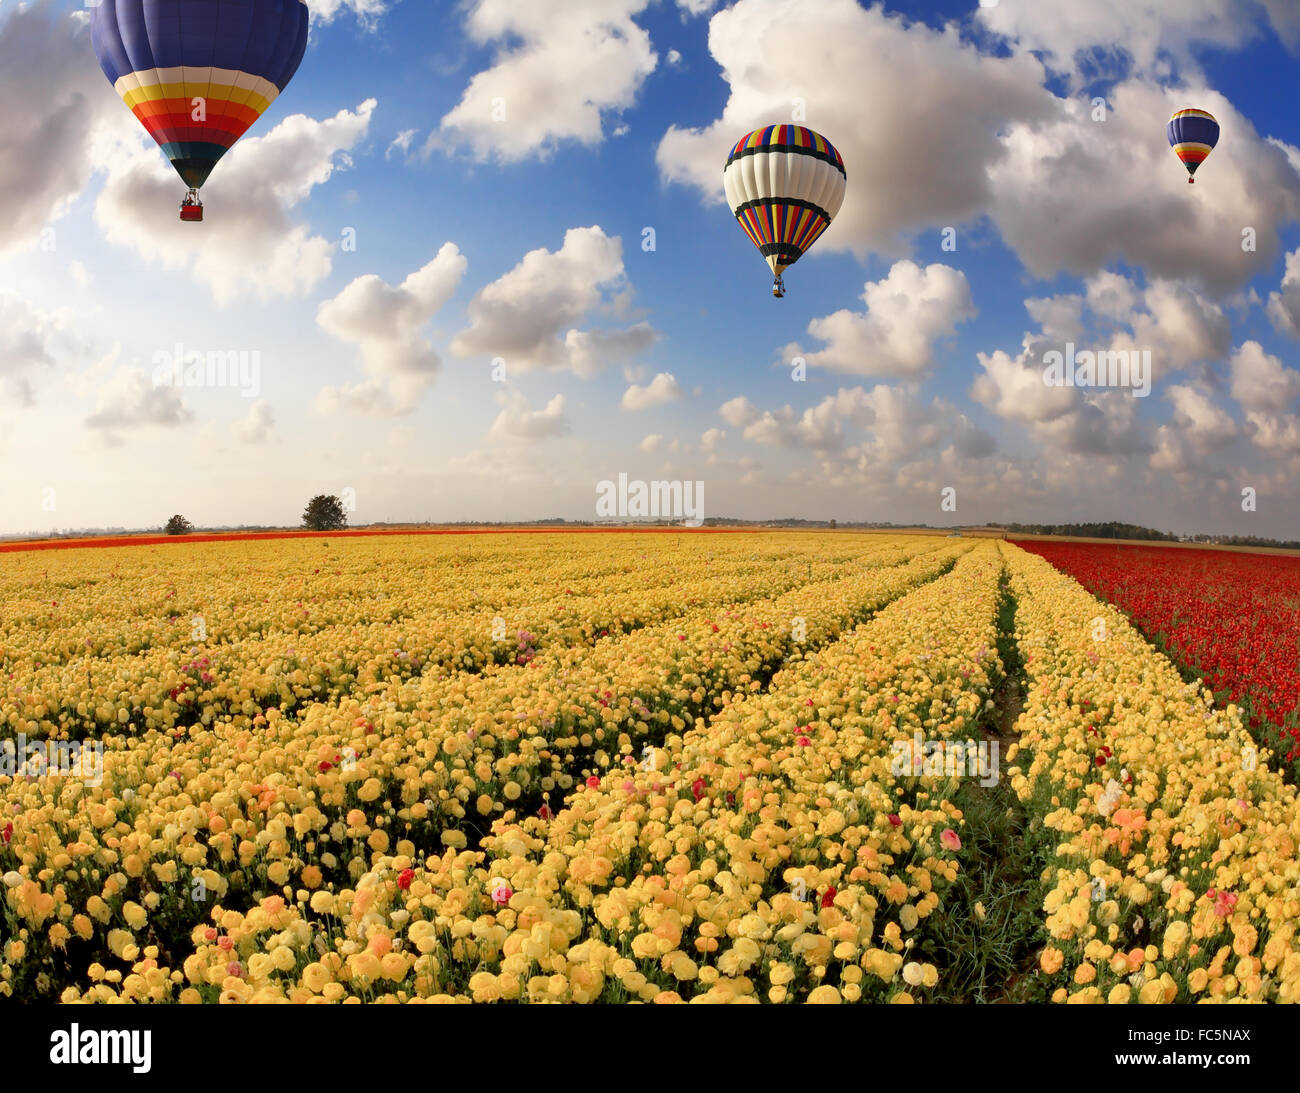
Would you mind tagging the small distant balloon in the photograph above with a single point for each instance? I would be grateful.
(1193, 135)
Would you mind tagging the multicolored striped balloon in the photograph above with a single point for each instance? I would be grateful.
(198, 73)
(1193, 135)
(785, 184)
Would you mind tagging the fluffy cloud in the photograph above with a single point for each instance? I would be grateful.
(1145, 35)
(1051, 206)
(56, 102)
(1013, 387)
(653, 443)
(711, 439)
(257, 249)
(738, 411)
(30, 340)
(129, 400)
(528, 315)
(1284, 306)
(1260, 382)
(257, 425)
(366, 11)
(1177, 325)
(819, 428)
(660, 390)
(518, 420)
(385, 322)
(1268, 392)
(917, 154)
(907, 312)
(1198, 429)
(568, 64)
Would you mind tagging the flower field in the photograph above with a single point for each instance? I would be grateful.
(616, 768)
(1231, 618)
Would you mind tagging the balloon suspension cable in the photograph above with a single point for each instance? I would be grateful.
(778, 287)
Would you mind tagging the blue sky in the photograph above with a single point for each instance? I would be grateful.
(924, 363)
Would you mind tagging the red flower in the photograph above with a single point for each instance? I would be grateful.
(828, 898)
(323, 766)
(697, 788)
(404, 879)
(545, 812)
(894, 820)
(1100, 760)
(8, 833)
(593, 782)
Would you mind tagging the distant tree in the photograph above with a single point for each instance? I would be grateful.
(178, 525)
(834, 525)
(324, 513)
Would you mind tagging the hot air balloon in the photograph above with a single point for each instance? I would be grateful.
(1193, 135)
(198, 73)
(785, 184)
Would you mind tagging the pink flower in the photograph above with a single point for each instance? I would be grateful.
(629, 786)
(950, 839)
(501, 894)
(236, 969)
(1224, 903)
(226, 943)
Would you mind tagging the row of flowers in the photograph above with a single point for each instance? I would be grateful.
(104, 655)
(1229, 616)
(770, 853)
(1175, 876)
(232, 811)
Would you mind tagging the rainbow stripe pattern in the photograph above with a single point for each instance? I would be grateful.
(199, 73)
(1193, 135)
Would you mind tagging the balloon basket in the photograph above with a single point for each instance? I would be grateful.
(192, 207)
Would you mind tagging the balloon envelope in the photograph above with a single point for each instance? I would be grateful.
(1193, 135)
(198, 73)
(785, 184)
